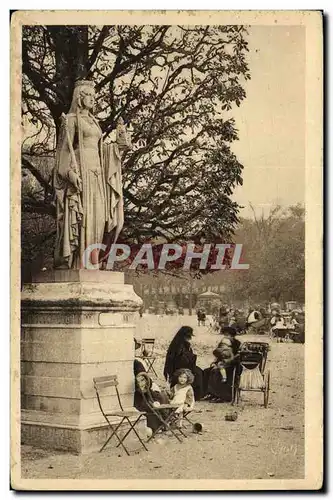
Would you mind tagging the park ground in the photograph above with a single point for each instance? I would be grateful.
(260, 444)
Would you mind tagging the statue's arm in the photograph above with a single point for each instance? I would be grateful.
(68, 168)
(67, 134)
(123, 139)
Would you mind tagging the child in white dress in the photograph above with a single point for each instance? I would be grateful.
(182, 393)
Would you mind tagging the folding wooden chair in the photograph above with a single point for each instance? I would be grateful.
(125, 415)
(148, 355)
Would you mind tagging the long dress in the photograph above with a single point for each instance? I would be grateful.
(219, 387)
(94, 204)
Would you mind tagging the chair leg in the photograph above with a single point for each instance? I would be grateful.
(182, 432)
(125, 436)
(154, 433)
(186, 417)
(132, 428)
(137, 434)
(150, 366)
(174, 433)
(114, 433)
(153, 370)
(109, 438)
(165, 423)
(187, 420)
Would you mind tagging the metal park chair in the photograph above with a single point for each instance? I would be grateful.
(125, 416)
(148, 354)
(186, 416)
(165, 414)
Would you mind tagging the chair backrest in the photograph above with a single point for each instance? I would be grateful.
(250, 358)
(147, 342)
(101, 383)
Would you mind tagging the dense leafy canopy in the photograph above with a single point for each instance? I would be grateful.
(175, 87)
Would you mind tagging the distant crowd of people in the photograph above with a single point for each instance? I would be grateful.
(257, 319)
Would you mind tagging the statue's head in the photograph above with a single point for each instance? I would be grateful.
(83, 96)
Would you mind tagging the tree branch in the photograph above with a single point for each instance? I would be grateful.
(98, 45)
(35, 172)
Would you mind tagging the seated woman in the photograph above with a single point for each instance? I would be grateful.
(182, 393)
(221, 374)
(139, 365)
(180, 355)
(218, 377)
(147, 396)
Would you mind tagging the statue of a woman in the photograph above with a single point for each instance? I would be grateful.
(87, 181)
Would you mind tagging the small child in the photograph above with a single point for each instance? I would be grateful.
(182, 393)
(223, 358)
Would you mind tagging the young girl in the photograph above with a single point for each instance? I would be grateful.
(182, 393)
(180, 355)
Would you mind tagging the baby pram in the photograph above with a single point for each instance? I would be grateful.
(250, 372)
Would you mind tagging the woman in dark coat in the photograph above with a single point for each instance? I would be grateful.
(180, 355)
(146, 397)
(220, 380)
(216, 386)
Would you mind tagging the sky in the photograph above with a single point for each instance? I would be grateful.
(271, 120)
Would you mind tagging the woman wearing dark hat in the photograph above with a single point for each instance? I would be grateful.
(138, 365)
(180, 355)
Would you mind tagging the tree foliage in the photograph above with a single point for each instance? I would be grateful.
(175, 87)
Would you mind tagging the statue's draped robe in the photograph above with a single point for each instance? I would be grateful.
(82, 217)
(114, 189)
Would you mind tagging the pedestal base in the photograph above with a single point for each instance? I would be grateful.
(73, 331)
(76, 439)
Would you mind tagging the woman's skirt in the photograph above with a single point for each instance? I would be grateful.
(218, 387)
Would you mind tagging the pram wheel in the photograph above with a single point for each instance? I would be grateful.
(235, 394)
(267, 378)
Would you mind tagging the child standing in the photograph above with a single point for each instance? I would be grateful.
(182, 393)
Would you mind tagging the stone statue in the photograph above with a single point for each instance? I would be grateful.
(87, 181)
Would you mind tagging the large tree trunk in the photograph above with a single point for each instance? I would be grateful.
(71, 55)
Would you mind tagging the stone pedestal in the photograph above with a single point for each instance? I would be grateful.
(76, 325)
